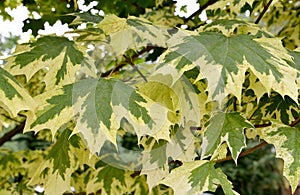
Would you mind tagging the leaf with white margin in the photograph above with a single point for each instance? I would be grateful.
(157, 154)
(197, 177)
(13, 97)
(60, 56)
(95, 106)
(132, 33)
(225, 127)
(154, 159)
(223, 61)
(286, 140)
(44, 174)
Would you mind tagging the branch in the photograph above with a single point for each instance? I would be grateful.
(202, 7)
(193, 128)
(243, 153)
(263, 12)
(7, 136)
(81, 193)
(295, 122)
(130, 61)
(122, 63)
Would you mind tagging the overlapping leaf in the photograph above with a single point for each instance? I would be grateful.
(182, 104)
(196, 178)
(57, 54)
(287, 144)
(223, 61)
(225, 127)
(97, 107)
(13, 97)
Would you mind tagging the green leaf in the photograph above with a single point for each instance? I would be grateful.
(13, 97)
(59, 154)
(287, 145)
(223, 61)
(109, 176)
(85, 17)
(197, 177)
(60, 56)
(225, 127)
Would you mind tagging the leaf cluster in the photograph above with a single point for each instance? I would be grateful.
(133, 102)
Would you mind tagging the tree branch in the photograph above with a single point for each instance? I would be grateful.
(193, 128)
(7, 136)
(263, 12)
(122, 63)
(295, 122)
(202, 7)
(81, 193)
(130, 61)
(243, 153)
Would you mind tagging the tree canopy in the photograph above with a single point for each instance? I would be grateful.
(135, 99)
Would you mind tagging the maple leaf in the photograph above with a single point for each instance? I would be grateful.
(132, 33)
(97, 106)
(286, 141)
(197, 177)
(13, 97)
(109, 175)
(60, 56)
(225, 127)
(59, 154)
(223, 61)
(51, 180)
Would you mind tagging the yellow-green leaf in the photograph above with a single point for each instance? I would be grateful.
(13, 97)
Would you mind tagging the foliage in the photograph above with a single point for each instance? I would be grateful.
(142, 101)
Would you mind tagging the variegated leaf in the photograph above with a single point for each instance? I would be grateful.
(286, 140)
(225, 127)
(58, 55)
(197, 177)
(223, 61)
(132, 33)
(13, 97)
(96, 106)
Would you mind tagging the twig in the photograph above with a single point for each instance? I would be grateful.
(295, 122)
(263, 12)
(7, 136)
(202, 7)
(243, 153)
(193, 128)
(122, 63)
(140, 73)
(130, 61)
(81, 193)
